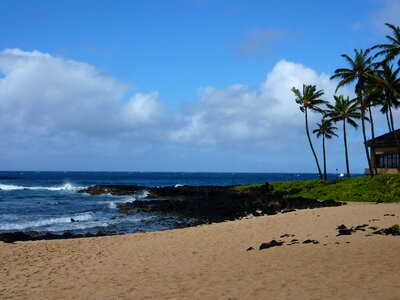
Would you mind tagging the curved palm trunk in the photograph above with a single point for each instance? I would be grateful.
(371, 171)
(345, 149)
(372, 134)
(311, 146)
(394, 132)
(323, 151)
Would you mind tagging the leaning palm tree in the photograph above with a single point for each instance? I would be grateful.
(348, 111)
(388, 97)
(326, 130)
(362, 70)
(392, 49)
(309, 99)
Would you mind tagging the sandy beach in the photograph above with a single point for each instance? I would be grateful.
(211, 261)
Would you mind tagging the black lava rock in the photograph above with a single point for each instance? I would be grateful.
(272, 243)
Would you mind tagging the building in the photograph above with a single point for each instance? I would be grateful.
(385, 156)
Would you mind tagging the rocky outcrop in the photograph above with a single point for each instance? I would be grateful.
(11, 237)
(116, 190)
(208, 203)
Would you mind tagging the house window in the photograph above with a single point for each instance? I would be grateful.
(387, 160)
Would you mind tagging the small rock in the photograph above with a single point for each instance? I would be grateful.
(250, 249)
(272, 243)
(310, 242)
(361, 227)
(286, 235)
(343, 230)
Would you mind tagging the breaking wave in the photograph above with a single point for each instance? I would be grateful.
(46, 222)
(64, 187)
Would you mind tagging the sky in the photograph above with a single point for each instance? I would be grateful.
(184, 85)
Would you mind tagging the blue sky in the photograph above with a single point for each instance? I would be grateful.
(174, 85)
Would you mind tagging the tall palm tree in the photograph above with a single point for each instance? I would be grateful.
(326, 130)
(388, 97)
(392, 49)
(348, 111)
(309, 99)
(362, 70)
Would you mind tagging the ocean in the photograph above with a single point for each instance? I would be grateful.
(42, 202)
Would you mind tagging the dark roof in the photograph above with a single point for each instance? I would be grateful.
(384, 140)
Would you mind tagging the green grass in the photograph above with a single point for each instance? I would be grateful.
(240, 188)
(395, 228)
(384, 188)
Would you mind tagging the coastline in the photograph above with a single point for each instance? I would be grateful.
(211, 261)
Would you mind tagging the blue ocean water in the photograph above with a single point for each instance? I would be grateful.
(49, 202)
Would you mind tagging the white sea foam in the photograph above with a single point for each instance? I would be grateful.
(113, 204)
(9, 187)
(179, 185)
(45, 222)
(64, 187)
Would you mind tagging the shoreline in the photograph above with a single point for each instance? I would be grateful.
(211, 261)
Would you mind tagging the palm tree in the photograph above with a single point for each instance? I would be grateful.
(348, 111)
(392, 49)
(326, 130)
(388, 97)
(362, 70)
(309, 99)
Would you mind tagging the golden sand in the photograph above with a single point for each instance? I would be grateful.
(211, 261)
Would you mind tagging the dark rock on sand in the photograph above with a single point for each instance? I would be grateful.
(361, 227)
(11, 237)
(310, 242)
(250, 249)
(388, 231)
(343, 230)
(272, 243)
(286, 235)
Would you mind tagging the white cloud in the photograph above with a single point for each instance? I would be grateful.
(44, 95)
(239, 115)
(64, 114)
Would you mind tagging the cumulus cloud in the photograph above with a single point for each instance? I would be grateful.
(62, 113)
(43, 95)
(266, 116)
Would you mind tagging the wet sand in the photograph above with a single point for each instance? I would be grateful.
(211, 261)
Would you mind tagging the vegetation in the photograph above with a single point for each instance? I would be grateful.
(395, 228)
(345, 110)
(309, 99)
(326, 130)
(376, 84)
(361, 71)
(385, 188)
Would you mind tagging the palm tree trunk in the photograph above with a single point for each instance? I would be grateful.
(323, 149)
(371, 171)
(372, 134)
(388, 122)
(345, 149)
(394, 131)
(311, 146)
